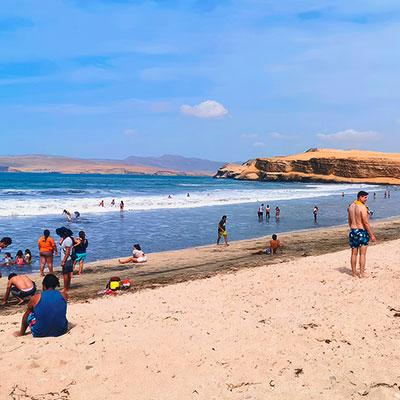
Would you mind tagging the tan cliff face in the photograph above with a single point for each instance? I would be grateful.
(320, 165)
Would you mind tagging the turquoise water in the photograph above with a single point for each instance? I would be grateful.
(165, 213)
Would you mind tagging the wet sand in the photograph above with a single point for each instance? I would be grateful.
(166, 268)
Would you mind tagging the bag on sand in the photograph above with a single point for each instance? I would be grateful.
(113, 283)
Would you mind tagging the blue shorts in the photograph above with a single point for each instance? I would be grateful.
(80, 256)
(358, 237)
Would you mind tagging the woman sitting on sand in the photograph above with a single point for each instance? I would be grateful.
(137, 256)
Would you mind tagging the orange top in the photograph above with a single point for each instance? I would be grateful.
(47, 245)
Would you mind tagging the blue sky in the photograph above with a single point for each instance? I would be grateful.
(227, 80)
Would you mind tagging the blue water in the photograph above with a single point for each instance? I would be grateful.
(30, 203)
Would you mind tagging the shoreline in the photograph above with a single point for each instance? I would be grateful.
(171, 267)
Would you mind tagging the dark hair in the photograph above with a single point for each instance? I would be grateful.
(274, 237)
(7, 254)
(82, 235)
(46, 234)
(12, 275)
(6, 240)
(50, 281)
(20, 253)
(361, 193)
(224, 216)
(137, 246)
(27, 251)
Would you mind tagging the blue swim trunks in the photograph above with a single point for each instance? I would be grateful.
(358, 237)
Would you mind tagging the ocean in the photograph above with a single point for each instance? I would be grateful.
(165, 212)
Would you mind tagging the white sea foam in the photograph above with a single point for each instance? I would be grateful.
(46, 205)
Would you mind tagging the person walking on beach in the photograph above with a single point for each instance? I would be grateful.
(66, 244)
(267, 211)
(222, 230)
(20, 286)
(277, 212)
(360, 232)
(47, 247)
(315, 212)
(46, 313)
(80, 251)
(260, 211)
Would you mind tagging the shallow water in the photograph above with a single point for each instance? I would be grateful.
(30, 203)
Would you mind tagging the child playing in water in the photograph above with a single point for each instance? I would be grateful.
(19, 258)
(28, 257)
(8, 260)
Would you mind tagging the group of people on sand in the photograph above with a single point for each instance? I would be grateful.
(112, 204)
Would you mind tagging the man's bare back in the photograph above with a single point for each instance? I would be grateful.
(21, 282)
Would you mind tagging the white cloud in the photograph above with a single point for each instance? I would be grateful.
(206, 109)
(279, 136)
(129, 132)
(350, 137)
(249, 136)
(258, 144)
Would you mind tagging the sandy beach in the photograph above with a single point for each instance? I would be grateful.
(294, 326)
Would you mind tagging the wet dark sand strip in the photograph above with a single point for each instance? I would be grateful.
(171, 267)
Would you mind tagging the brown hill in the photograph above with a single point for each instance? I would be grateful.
(320, 165)
(67, 165)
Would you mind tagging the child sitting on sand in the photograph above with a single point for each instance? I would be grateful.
(275, 244)
(137, 256)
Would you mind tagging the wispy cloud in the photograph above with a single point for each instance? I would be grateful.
(249, 136)
(259, 144)
(350, 137)
(279, 136)
(129, 132)
(206, 109)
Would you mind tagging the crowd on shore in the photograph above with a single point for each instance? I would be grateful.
(46, 311)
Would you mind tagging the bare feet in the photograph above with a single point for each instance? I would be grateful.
(20, 301)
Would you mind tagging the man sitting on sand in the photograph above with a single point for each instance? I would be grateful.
(275, 244)
(20, 286)
(360, 232)
(46, 312)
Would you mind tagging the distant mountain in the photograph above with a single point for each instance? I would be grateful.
(176, 163)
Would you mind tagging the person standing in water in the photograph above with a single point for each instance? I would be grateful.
(277, 212)
(121, 206)
(67, 213)
(112, 202)
(360, 232)
(267, 211)
(315, 212)
(222, 230)
(260, 212)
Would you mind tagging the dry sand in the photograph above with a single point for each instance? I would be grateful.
(292, 327)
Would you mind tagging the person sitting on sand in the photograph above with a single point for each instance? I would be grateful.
(137, 256)
(20, 286)
(275, 244)
(46, 312)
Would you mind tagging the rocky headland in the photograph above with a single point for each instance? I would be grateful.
(320, 165)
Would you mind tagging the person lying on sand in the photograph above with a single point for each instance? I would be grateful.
(137, 256)
(46, 312)
(20, 286)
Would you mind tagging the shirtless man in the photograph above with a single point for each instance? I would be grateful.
(19, 286)
(360, 232)
(275, 244)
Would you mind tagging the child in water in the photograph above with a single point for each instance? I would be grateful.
(28, 257)
(19, 258)
(8, 260)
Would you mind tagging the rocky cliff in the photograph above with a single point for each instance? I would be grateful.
(320, 165)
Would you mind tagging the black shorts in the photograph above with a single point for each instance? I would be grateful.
(67, 268)
(23, 293)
